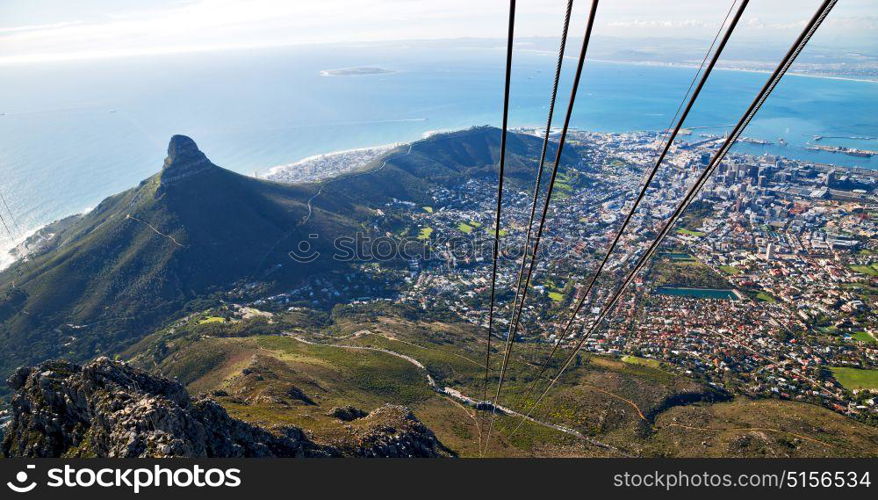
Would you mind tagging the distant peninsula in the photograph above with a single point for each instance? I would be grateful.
(362, 70)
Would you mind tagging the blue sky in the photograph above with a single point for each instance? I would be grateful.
(33, 31)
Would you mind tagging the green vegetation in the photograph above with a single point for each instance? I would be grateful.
(429, 210)
(864, 337)
(252, 326)
(678, 256)
(425, 233)
(465, 228)
(730, 270)
(695, 215)
(156, 252)
(278, 380)
(871, 270)
(652, 363)
(176, 244)
(689, 232)
(212, 319)
(765, 297)
(557, 292)
(382, 376)
(855, 378)
(670, 272)
(864, 291)
(747, 428)
(563, 185)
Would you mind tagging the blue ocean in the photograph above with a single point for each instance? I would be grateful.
(72, 133)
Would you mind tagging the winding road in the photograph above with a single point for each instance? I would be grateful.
(462, 398)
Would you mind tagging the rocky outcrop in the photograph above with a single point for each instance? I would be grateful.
(347, 413)
(393, 431)
(110, 409)
(184, 160)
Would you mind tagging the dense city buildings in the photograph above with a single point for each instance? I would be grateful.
(767, 286)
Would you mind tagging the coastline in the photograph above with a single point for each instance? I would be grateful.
(8, 246)
(303, 170)
(742, 70)
(7, 258)
(719, 67)
(320, 156)
(353, 159)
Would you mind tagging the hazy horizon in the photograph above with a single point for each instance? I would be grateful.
(52, 30)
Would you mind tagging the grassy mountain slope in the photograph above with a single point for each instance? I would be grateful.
(446, 159)
(354, 359)
(108, 277)
(142, 254)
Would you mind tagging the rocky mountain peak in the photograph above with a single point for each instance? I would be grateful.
(182, 150)
(184, 159)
